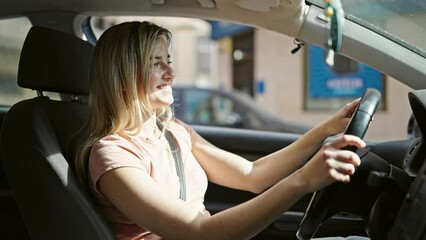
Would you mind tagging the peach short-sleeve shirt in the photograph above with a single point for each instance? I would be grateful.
(154, 157)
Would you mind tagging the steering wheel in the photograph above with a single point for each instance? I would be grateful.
(319, 205)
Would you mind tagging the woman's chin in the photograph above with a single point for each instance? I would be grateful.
(161, 99)
(162, 102)
(168, 100)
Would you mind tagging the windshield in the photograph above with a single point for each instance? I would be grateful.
(403, 21)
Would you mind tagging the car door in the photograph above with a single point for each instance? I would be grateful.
(253, 144)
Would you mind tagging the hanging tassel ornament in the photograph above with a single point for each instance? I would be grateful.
(334, 11)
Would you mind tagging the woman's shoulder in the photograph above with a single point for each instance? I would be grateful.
(117, 150)
(119, 142)
(176, 123)
(177, 127)
(113, 139)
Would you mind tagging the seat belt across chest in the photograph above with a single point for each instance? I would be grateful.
(175, 149)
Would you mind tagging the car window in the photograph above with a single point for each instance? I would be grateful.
(207, 108)
(11, 43)
(396, 19)
(287, 92)
(190, 103)
(10, 48)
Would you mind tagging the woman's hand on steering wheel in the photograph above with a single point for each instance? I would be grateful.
(361, 117)
(331, 163)
(338, 122)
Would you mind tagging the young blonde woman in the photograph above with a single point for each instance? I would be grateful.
(127, 164)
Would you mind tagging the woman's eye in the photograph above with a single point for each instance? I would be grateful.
(162, 64)
(157, 65)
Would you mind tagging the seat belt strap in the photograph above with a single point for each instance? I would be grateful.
(174, 147)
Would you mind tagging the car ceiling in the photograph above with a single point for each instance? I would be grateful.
(283, 16)
(289, 17)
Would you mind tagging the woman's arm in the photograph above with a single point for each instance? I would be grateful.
(143, 201)
(233, 171)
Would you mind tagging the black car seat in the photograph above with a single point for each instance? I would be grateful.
(36, 134)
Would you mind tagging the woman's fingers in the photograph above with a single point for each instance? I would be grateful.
(343, 167)
(339, 176)
(332, 163)
(343, 156)
(349, 109)
(346, 140)
(340, 164)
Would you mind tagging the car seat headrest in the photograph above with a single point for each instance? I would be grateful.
(55, 61)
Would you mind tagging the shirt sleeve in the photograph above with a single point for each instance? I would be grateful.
(110, 153)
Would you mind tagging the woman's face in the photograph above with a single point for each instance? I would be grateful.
(160, 91)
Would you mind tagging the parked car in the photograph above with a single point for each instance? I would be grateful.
(40, 197)
(214, 107)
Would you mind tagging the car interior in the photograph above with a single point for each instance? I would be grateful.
(40, 195)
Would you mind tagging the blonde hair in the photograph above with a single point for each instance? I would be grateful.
(119, 79)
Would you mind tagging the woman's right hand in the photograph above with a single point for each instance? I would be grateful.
(331, 163)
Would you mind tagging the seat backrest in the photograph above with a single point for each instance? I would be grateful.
(35, 139)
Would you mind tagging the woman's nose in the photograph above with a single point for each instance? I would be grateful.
(169, 74)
